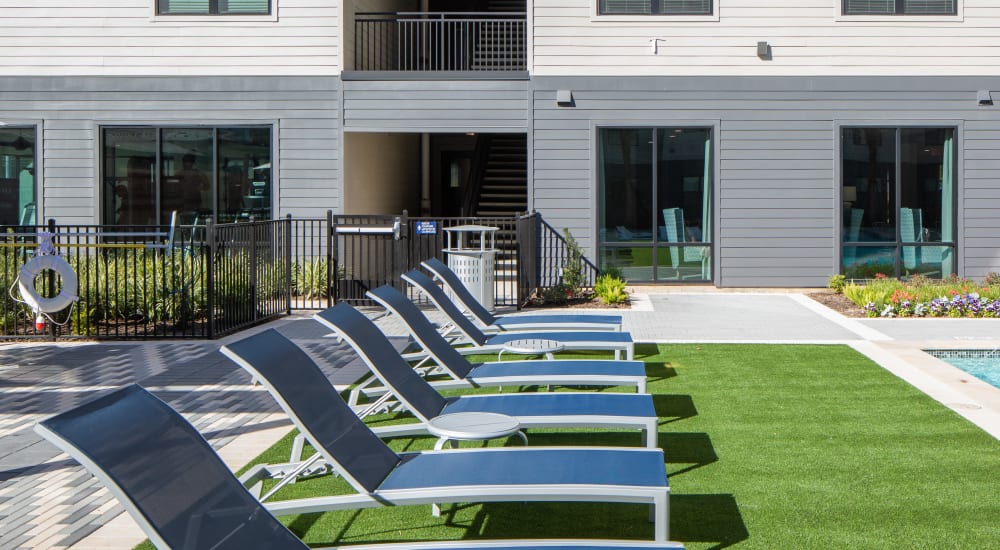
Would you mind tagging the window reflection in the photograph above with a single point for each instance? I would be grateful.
(898, 189)
(17, 176)
(201, 173)
(655, 199)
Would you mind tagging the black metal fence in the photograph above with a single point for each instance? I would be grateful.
(137, 282)
(214, 280)
(439, 41)
(371, 251)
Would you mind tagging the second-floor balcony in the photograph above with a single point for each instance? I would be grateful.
(440, 42)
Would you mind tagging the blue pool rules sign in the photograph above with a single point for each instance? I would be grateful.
(427, 228)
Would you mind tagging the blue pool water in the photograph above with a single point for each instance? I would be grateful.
(983, 364)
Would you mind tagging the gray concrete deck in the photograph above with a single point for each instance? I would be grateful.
(48, 501)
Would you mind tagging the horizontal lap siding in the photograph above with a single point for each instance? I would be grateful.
(777, 215)
(436, 106)
(806, 37)
(305, 110)
(121, 37)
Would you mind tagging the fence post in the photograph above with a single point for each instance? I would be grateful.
(210, 276)
(288, 261)
(331, 267)
(254, 292)
(51, 282)
(332, 251)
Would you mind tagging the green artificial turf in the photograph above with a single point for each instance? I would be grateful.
(766, 447)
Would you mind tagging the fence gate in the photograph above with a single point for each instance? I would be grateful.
(369, 251)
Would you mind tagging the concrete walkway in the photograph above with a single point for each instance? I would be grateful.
(48, 501)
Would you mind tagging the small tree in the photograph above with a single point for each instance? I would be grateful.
(572, 273)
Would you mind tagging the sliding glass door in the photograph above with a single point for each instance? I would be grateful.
(898, 202)
(654, 203)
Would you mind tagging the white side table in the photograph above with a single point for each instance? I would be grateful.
(532, 346)
(473, 426)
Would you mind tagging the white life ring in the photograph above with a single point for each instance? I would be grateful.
(26, 284)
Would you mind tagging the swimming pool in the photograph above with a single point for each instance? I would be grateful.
(984, 364)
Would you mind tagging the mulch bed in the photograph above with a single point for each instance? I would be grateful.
(838, 303)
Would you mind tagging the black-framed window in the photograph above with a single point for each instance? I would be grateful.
(17, 175)
(899, 201)
(213, 7)
(900, 7)
(655, 203)
(200, 172)
(654, 7)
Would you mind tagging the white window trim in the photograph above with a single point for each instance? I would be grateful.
(959, 16)
(597, 18)
(155, 17)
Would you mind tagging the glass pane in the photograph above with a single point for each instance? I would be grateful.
(929, 7)
(683, 183)
(935, 262)
(244, 173)
(636, 263)
(244, 6)
(869, 7)
(865, 262)
(625, 185)
(17, 176)
(609, 7)
(129, 160)
(925, 184)
(186, 186)
(869, 173)
(685, 7)
(684, 263)
(182, 6)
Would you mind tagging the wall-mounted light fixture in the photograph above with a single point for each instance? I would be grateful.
(564, 98)
(984, 97)
(654, 45)
(764, 50)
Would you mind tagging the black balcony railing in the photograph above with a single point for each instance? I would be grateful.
(439, 41)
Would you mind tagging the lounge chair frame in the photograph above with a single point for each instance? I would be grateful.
(251, 515)
(369, 456)
(416, 394)
(619, 343)
(547, 322)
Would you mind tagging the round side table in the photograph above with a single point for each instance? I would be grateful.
(532, 346)
(473, 426)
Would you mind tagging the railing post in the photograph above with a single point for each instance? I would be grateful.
(51, 280)
(331, 262)
(210, 276)
(254, 291)
(288, 262)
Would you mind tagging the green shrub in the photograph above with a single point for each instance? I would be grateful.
(992, 279)
(310, 280)
(572, 273)
(836, 283)
(558, 294)
(611, 289)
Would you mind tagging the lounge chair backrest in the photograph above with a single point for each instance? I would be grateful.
(446, 274)
(422, 329)
(164, 473)
(315, 406)
(384, 361)
(423, 282)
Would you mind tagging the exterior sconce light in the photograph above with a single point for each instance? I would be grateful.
(564, 98)
(764, 51)
(984, 97)
(654, 45)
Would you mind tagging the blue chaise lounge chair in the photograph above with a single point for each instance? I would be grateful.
(259, 354)
(620, 343)
(178, 490)
(548, 321)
